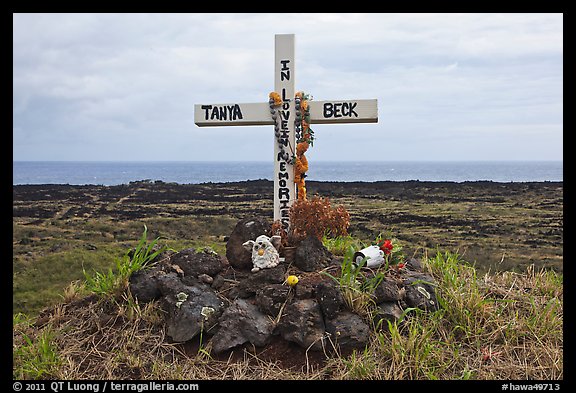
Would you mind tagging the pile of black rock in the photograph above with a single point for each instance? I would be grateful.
(201, 291)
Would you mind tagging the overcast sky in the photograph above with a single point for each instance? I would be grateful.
(449, 86)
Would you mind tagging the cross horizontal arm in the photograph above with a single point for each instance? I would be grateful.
(258, 114)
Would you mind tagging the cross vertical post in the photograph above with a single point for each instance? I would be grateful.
(258, 114)
(284, 82)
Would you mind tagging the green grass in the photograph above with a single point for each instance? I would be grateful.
(357, 288)
(484, 328)
(40, 283)
(33, 357)
(359, 365)
(113, 283)
(414, 350)
(501, 326)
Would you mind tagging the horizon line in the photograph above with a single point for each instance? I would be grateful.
(268, 161)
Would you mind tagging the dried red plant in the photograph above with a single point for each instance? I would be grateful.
(317, 217)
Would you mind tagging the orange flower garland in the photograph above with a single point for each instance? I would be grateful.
(305, 139)
(275, 101)
(304, 134)
(300, 168)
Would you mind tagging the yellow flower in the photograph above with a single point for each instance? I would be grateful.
(292, 280)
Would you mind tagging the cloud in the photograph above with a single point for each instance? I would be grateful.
(123, 86)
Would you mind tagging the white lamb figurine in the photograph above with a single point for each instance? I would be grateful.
(264, 252)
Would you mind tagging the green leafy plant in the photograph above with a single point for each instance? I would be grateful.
(356, 287)
(110, 283)
(101, 283)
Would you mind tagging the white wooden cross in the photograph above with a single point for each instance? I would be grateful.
(321, 112)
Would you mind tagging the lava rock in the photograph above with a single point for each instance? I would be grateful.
(387, 291)
(387, 311)
(414, 265)
(190, 309)
(305, 289)
(195, 263)
(246, 229)
(240, 323)
(206, 279)
(348, 330)
(311, 255)
(254, 281)
(421, 292)
(144, 286)
(330, 299)
(218, 282)
(270, 298)
(302, 323)
(169, 284)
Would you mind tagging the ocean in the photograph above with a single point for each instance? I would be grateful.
(114, 173)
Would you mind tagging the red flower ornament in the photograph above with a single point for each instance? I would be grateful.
(387, 247)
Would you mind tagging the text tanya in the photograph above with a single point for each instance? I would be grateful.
(222, 112)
